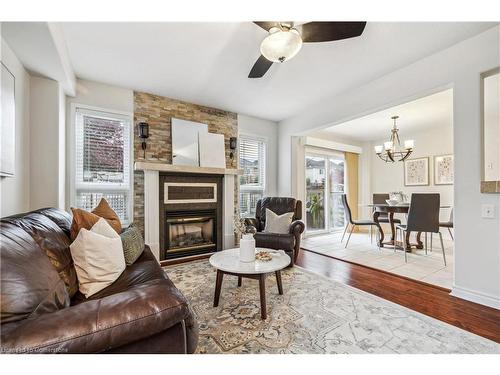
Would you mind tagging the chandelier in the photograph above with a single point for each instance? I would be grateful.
(392, 151)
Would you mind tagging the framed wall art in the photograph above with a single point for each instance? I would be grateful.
(416, 172)
(443, 170)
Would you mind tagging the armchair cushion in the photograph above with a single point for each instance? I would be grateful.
(277, 241)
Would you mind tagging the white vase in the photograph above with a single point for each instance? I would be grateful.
(247, 248)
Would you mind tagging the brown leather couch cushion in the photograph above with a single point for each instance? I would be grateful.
(144, 269)
(85, 219)
(61, 218)
(54, 243)
(30, 284)
(99, 325)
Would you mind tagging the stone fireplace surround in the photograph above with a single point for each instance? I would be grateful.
(154, 205)
(158, 112)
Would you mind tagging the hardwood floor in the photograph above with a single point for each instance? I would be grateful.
(424, 298)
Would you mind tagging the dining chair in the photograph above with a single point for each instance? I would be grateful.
(354, 223)
(423, 216)
(448, 224)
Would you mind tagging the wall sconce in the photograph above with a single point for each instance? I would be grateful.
(233, 143)
(143, 134)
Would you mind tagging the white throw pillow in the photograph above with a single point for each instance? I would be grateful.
(98, 257)
(278, 223)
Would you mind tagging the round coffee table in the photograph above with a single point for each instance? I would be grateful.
(227, 262)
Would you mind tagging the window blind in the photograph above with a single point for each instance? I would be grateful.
(252, 161)
(103, 161)
(252, 157)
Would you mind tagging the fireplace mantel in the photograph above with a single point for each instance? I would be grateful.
(152, 172)
(164, 167)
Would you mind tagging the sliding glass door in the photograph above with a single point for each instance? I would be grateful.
(315, 192)
(324, 189)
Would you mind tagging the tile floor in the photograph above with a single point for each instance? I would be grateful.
(429, 268)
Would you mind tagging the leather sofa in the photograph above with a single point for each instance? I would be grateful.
(289, 242)
(43, 312)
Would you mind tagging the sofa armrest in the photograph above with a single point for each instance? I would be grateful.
(297, 228)
(252, 222)
(98, 325)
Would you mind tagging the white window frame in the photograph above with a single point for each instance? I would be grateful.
(127, 116)
(265, 141)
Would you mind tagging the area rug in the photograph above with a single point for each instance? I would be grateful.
(315, 315)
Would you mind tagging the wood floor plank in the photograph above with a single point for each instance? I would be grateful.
(419, 296)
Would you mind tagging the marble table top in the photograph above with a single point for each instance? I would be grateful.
(229, 261)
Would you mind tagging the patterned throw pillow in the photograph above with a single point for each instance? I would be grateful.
(133, 244)
(278, 223)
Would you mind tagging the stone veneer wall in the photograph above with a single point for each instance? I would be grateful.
(158, 111)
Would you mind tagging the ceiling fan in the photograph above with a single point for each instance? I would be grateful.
(285, 40)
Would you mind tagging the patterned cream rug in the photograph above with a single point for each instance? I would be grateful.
(315, 315)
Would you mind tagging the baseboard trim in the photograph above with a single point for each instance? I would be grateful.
(475, 296)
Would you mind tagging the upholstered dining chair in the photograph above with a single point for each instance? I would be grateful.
(354, 223)
(448, 224)
(423, 216)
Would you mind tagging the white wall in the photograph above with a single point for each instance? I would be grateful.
(14, 191)
(46, 159)
(103, 96)
(61, 199)
(477, 240)
(268, 130)
(97, 95)
(387, 177)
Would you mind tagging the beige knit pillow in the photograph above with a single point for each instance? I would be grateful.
(278, 223)
(98, 257)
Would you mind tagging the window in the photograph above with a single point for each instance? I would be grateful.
(102, 167)
(252, 153)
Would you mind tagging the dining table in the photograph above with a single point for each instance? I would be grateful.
(390, 210)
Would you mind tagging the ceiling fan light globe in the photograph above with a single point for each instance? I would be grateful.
(281, 45)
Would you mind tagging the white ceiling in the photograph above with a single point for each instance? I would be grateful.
(208, 63)
(430, 111)
(41, 48)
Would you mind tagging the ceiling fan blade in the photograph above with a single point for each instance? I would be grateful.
(329, 31)
(260, 67)
(266, 25)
